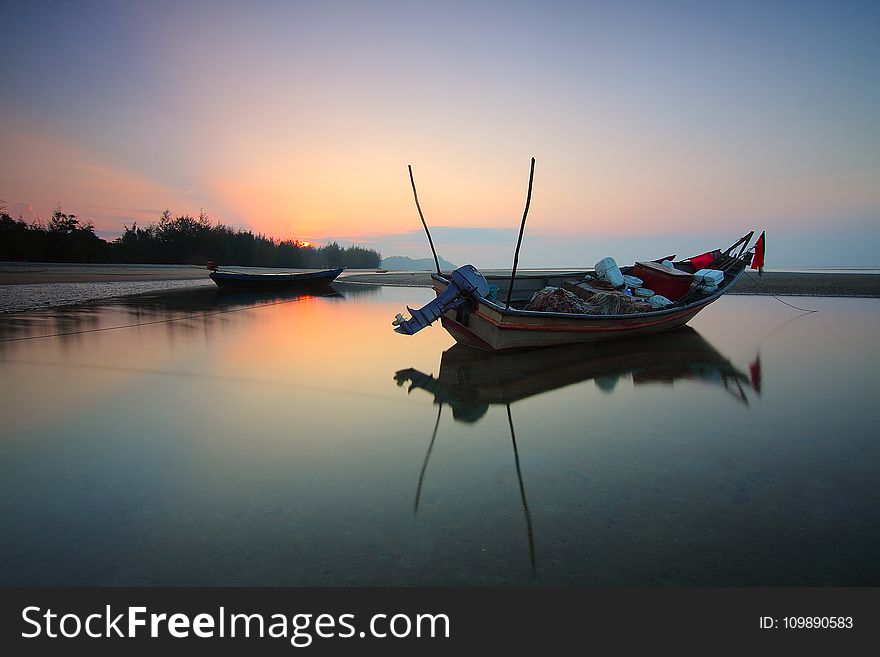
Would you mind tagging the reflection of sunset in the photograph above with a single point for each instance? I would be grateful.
(314, 335)
(291, 346)
(268, 429)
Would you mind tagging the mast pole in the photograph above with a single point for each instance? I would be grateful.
(522, 228)
(422, 217)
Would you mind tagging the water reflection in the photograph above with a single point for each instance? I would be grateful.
(522, 489)
(184, 311)
(273, 447)
(471, 380)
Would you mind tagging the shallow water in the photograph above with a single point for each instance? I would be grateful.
(196, 438)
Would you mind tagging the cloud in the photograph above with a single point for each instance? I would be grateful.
(491, 248)
(24, 211)
(465, 243)
(471, 235)
(41, 170)
(127, 211)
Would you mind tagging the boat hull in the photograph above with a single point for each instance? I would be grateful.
(469, 304)
(492, 327)
(490, 331)
(303, 280)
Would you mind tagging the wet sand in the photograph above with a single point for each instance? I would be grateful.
(810, 284)
(30, 273)
(780, 283)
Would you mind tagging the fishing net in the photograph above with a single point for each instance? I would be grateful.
(616, 303)
(598, 301)
(556, 300)
(585, 299)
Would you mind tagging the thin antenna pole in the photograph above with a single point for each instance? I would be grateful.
(422, 217)
(522, 228)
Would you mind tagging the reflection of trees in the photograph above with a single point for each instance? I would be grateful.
(182, 311)
(69, 321)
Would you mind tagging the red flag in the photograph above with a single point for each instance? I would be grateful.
(758, 259)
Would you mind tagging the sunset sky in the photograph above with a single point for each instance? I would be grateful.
(658, 127)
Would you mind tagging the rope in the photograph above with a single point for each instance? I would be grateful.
(212, 377)
(768, 293)
(776, 330)
(167, 320)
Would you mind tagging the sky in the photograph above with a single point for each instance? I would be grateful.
(658, 127)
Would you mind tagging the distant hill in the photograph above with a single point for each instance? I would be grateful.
(408, 264)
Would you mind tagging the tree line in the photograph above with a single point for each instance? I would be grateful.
(173, 240)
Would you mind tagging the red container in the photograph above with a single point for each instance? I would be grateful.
(671, 283)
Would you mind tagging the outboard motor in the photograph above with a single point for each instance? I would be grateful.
(467, 285)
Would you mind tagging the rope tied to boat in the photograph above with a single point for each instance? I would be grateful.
(768, 293)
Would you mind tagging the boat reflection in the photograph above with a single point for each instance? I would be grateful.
(522, 489)
(471, 380)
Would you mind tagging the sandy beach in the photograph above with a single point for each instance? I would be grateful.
(810, 284)
(780, 283)
(30, 273)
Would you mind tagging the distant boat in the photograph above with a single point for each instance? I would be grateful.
(472, 309)
(251, 280)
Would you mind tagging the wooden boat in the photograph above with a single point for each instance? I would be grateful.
(474, 316)
(471, 380)
(253, 280)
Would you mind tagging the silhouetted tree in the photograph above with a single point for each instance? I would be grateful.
(181, 239)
